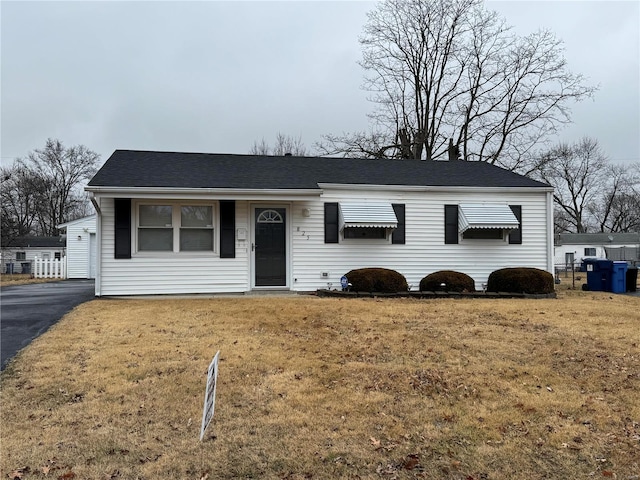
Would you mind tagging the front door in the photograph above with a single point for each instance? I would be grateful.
(270, 247)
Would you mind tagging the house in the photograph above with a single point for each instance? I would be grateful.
(178, 223)
(573, 248)
(81, 247)
(18, 255)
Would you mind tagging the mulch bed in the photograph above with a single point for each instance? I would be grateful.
(430, 295)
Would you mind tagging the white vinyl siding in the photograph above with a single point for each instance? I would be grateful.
(79, 256)
(309, 258)
(424, 251)
(151, 273)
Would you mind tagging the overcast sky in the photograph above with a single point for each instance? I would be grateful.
(215, 76)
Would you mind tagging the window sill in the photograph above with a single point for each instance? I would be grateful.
(164, 254)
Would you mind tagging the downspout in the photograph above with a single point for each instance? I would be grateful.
(550, 236)
(95, 204)
(98, 279)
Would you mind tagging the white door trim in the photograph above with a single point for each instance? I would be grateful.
(288, 239)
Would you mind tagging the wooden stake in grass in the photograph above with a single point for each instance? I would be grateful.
(210, 394)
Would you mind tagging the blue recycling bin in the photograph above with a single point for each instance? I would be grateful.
(599, 274)
(619, 277)
(585, 260)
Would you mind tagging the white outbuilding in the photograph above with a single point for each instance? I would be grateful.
(81, 247)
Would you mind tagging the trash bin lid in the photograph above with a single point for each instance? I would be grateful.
(605, 264)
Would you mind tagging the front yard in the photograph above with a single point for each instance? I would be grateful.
(330, 388)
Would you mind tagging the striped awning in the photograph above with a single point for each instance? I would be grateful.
(486, 215)
(367, 215)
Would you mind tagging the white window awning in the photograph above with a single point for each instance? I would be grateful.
(486, 216)
(367, 215)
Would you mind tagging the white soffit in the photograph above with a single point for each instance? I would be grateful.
(367, 215)
(486, 216)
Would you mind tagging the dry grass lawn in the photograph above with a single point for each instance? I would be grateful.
(7, 280)
(330, 388)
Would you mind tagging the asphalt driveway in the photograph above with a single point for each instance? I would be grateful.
(27, 311)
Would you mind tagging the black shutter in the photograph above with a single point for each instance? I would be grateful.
(122, 234)
(398, 234)
(227, 229)
(330, 223)
(451, 224)
(515, 236)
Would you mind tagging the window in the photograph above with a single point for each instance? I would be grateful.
(483, 234)
(57, 256)
(483, 222)
(175, 228)
(363, 232)
(196, 228)
(21, 256)
(270, 216)
(364, 220)
(589, 252)
(155, 228)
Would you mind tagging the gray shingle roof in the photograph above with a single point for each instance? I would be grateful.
(36, 242)
(132, 168)
(597, 238)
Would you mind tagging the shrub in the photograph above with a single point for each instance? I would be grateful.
(454, 282)
(520, 280)
(380, 280)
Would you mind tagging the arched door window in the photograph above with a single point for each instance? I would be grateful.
(269, 216)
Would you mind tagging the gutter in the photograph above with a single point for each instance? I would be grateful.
(131, 192)
(432, 188)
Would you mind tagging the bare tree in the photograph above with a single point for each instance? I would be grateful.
(577, 173)
(284, 144)
(450, 69)
(21, 201)
(47, 186)
(618, 210)
(261, 148)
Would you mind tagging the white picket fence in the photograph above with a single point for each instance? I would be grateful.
(50, 267)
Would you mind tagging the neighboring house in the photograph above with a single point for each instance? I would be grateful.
(573, 248)
(173, 223)
(20, 252)
(81, 247)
